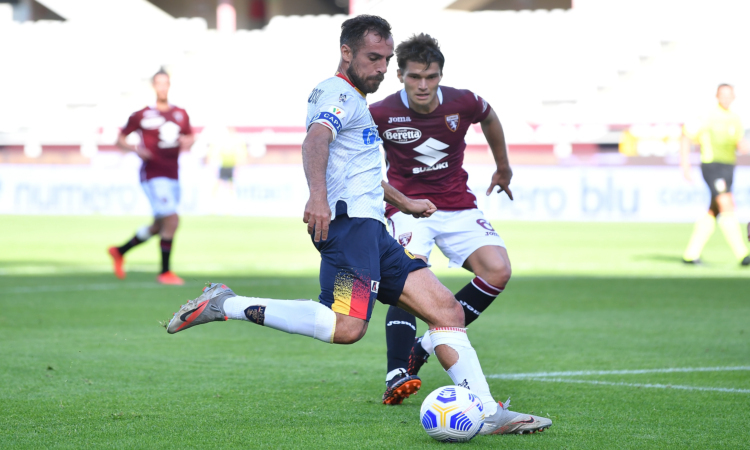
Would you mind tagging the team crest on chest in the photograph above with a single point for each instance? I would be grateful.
(452, 121)
(404, 239)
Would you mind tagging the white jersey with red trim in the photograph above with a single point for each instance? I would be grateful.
(354, 162)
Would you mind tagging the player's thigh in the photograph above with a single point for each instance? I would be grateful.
(406, 282)
(416, 235)
(163, 194)
(463, 233)
(489, 261)
(424, 296)
(350, 267)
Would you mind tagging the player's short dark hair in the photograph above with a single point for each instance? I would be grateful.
(724, 85)
(421, 48)
(354, 30)
(160, 72)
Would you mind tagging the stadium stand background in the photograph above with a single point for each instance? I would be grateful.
(573, 83)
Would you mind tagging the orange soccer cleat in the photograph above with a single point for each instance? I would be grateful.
(169, 278)
(117, 262)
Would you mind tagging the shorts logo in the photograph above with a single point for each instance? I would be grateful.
(721, 185)
(484, 224)
(409, 254)
(374, 286)
(404, 239)
(452, 121)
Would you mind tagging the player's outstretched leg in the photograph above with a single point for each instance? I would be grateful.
(219, 303)
(429, 300)
(474, 298)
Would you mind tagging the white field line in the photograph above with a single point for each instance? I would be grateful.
(638, 385)
(523, 376)
(121, 286)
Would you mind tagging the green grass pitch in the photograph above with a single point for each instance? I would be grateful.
(85, 364)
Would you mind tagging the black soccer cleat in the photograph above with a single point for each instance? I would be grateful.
(745, 261)
(400, 387)
(417, 357)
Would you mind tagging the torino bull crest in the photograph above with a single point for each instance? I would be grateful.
(452, 414)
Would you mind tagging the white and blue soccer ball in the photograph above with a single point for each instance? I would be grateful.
(452, 414)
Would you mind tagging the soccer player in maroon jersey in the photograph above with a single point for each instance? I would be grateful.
(423, 128)
(164, 130)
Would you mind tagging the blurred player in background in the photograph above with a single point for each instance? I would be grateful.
(228, 151)
(360, 261)
(164, 130)
(720, 135)
(423, 128)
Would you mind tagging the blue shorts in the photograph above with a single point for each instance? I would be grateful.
(360, 262)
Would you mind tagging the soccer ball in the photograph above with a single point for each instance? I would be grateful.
(452, 414)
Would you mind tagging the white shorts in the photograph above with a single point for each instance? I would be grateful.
(163, 194)
(457, 234)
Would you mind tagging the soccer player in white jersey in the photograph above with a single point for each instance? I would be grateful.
(360, 261)
(423, 127)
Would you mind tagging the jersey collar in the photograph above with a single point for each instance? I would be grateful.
(405, 98)
(343, 77)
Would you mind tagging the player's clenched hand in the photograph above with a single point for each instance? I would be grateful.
(419, 208)
(317, 217)
(501, 178)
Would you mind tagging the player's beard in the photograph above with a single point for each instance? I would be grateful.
(368, 85)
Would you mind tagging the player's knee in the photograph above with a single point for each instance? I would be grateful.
(497, 274)
(450, 314)
(348, 329)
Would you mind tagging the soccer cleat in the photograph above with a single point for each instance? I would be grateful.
(745, 261)
(209, 307)
(509, 422)
(400, 387)
(695, 262)
(169, 278)
(117, 262)
(417, 357)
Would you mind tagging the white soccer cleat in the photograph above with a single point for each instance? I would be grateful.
(509, 422)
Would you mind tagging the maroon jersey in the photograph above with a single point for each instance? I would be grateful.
(159, 134)
(425, 152)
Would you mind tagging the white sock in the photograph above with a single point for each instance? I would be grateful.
(389, 376)
(427, 343)
(304, 317)
(466, 372)
(144, 233)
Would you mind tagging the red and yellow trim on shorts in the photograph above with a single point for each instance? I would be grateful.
(351, 293)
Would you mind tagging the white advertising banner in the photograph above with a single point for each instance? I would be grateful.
(642, 194)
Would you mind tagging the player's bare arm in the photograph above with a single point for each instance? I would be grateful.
(416, 207)
(685, 146)
(122, 143)
(315, 161)
(493, 132)
(186, 141)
